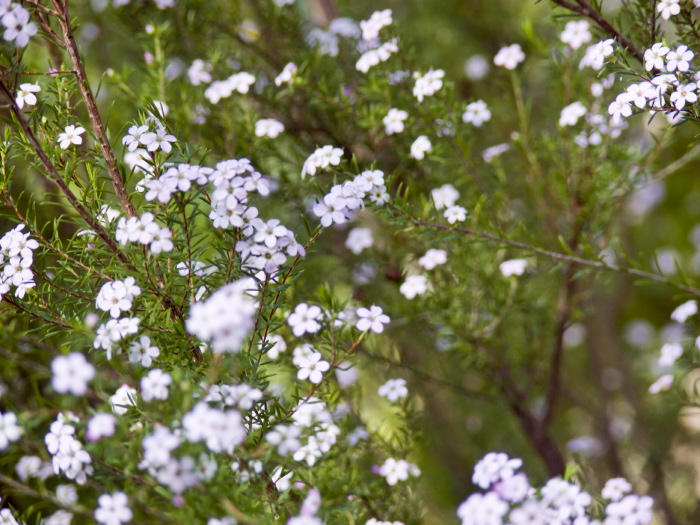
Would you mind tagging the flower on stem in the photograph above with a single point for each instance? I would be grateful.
(420, 147)
(372, 318)
(71, 135)
(509, 57)
(455, 214)
(26, 95)
(304, 319)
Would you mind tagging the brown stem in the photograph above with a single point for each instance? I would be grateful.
(58, 179)
(552, 255)
(584, 8)
(95, 119)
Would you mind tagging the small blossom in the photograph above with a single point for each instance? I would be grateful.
(571, 113)
(305, 319)
(513, 267)
(393, 122)
(477, 113)
(576, 33)
(394, 389)
(372, 319)
(268, 127)
(509, 57)
(681, 313)
(71, 374)
(26, 95)
(71, 135)
(414, 285)
(420, 147)
(668, 8)
(454, 214)
(113, 510)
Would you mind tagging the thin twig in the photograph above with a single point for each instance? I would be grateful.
(585, 8)
(95, 119)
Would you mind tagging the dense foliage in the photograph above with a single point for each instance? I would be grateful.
(283, 261)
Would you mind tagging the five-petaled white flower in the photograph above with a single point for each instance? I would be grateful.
(477, 113)
(113, 510)
(305, 319)
(668, 8)
(372, 318)
(26, 95)
(654, 57)
(143, 352)
(393, 122)
(420, 147)
(71, 135)
(509, 57)
(455, 213)
(312, 368)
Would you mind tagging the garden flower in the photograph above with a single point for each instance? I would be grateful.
(71, 135)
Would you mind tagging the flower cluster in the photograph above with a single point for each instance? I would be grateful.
(312, 422)
(339, 205)
(116, 297)
(219, 89)
(16, 258)
(144, 230)
(69, 457)
(226, 318)
(511, 499)
(153, 136)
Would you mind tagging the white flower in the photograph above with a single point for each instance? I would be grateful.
(26, 95)
(576, 33)
(684, 93)
(665, 382)
(653, 58)
(226, 318)
(155, 385)
(668, 8)
(513, 267)
(477, 113)
(420, 147)
(432, 258)
(679, 59)
(372, 319)
(494, 151)
(455, 213)
(158, 140)
(393, 122)
(616, 488)
(101, 425)
(428, 84)
(494, 467)
(597, 53)
(124, 397)
(489, 509)
(375, 56)
(199, 72)
(395, 471)
(114, 509)
(688, 309)
(142, 352)
(71, 135)
(268, 127)
(394, 389)
(322, 158)
(571, 113)
(444, 196)
(639, 93)
(286, 438)
(71, 373)
(620, 107)
(305, 319)
(312, 368)
(509, 57)
(670, 352)
(9, 430)
(378, 20)
(287, 74)
(359, 239)
(632, 509)
(414, 285)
